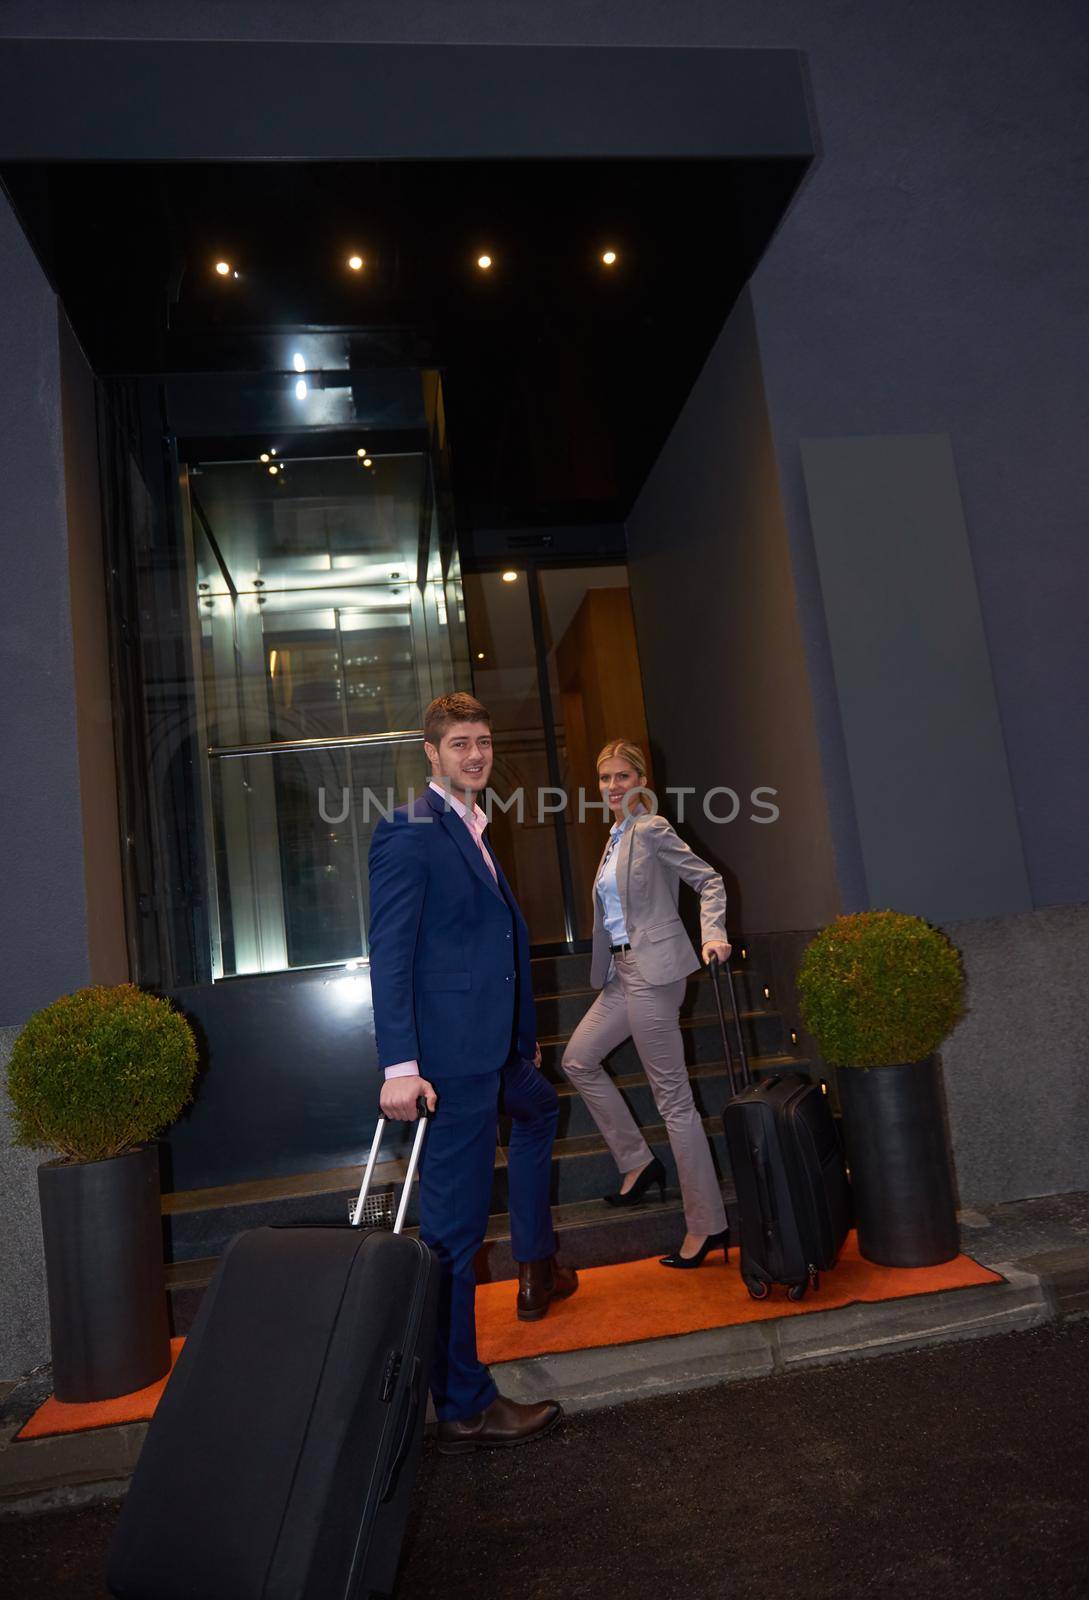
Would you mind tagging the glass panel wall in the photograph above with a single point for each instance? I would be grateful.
(296, 601)
(285, 602)
(321, 618)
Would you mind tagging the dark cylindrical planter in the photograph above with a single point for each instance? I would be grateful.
(901, 1169)
(104, 1268)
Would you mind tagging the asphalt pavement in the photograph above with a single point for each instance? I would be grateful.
(957, 1470)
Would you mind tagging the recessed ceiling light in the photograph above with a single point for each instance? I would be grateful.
(609, 257)
(510, 577)
(273, 470)
(298, 362)
(223, 268)
(301, 389)
(265, 457)
(361, 454)
(480, 655)
(274, 452)
(367, 462)
(484, 262)
(356, 263)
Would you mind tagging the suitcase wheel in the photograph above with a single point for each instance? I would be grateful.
(757, 1289)
(797, 1291)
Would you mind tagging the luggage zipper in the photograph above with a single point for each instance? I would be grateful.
(389, 1377)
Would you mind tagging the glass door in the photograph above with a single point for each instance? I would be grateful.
(554, 658)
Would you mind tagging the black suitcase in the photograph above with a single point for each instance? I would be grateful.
(793, 1194)
(280, 1462)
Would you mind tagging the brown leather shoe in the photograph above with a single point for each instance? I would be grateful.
(541, 1282)
(505, 1422)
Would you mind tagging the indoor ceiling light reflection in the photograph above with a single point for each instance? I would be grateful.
(484, 262)
(265, 457)
(510, 577)
(356, 263)
(609, 257)
(298, 362)
(302, 389)
(223, 268)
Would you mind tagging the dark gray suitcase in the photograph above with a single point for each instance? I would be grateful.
(280, 1462)
(793, 1195)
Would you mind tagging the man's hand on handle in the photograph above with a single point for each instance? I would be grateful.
(399, 1096)
(719, 948)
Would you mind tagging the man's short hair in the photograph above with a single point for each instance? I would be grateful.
(447, 709)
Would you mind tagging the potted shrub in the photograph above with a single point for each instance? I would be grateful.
(879, 992)
(96, 1075)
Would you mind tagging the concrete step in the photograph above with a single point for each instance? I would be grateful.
(554, 974)
(557, 974)
(200, 1223)
(589, 1234)
(764, 1032)
(710, 1088)
(559, 1012)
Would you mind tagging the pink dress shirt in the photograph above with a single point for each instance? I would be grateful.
(476, 822)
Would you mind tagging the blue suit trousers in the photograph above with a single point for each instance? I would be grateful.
(457, 1172)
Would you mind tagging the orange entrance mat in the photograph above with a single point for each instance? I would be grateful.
(642, 1300)
(57, 1417)
(614, 1305)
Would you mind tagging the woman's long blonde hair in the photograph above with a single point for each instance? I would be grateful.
(627, 751)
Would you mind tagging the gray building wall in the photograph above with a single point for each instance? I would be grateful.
(1015, 1067)
(929, 279)
(45, 951)
(24, 1311)
(936, 818)
(107, 951)
(45, 921)
(724, 671)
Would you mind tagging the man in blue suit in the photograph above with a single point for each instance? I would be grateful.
(455, 1023)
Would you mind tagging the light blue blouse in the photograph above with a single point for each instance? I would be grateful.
(612, 911)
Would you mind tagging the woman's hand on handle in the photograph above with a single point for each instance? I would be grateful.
(399, 1096)
(719, 948)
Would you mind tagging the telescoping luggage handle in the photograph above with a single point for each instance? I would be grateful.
(746, 1076)
(424, 1117)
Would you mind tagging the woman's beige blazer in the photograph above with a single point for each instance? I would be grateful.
(652, 861)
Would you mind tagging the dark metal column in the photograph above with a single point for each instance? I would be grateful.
(544, 689)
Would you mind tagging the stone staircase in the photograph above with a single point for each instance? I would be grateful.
(198, 1224)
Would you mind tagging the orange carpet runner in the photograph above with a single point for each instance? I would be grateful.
(614, 1305)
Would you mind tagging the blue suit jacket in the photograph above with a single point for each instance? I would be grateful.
(449, 948)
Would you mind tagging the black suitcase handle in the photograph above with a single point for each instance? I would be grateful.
(746, 1075)
(424, 1116)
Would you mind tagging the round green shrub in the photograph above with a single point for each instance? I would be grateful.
(879, 988)
(100, 1071)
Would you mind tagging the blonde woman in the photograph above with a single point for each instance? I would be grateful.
(642, 957)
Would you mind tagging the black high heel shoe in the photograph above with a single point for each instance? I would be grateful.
(712, 1242)
(652, 1173)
